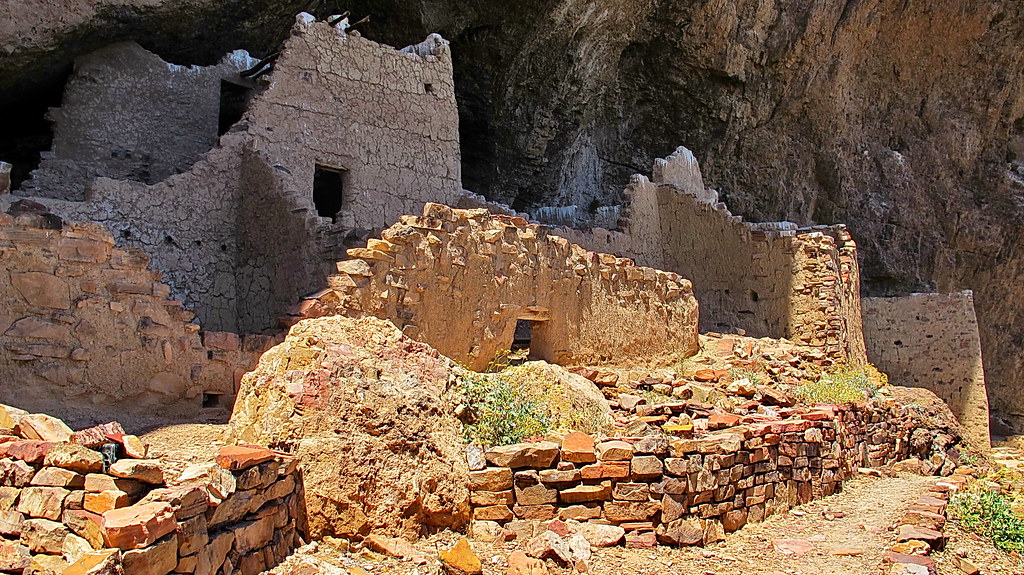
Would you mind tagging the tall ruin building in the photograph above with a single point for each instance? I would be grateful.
(246, 188)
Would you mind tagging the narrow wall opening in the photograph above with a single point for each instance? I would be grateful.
(234, 99)
(328, 190)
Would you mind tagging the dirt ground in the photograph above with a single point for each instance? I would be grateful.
(849, 534)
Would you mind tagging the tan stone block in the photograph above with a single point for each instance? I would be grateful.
(158, 559)
(74, 548)
(233, 508)
(499, 513)
(219, 547)
(144, 470)
(619, 511)
(58, 477)
(102, 562)
(491, 479)
(645, 467)
(537, 494)
(15, 473)
(85, 524)
(559, 475)
(614, 451)
(43, 535)
(32, 327)
(536, 455)
(46, 565)
(44, 502)
(251, 535)
(104, 501)
(258, 476)
(484, 498)
(534, 512)
(74, 457)
(8, 498)
(584, 493)
(42, 290)
(14, 556)
(631, 492)
(97, 482)
(138, 526)
(134, 447)
(580, 512)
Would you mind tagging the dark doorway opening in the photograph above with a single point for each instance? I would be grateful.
(328, 188)
(234, 99)
(523, 335)
(212, 400)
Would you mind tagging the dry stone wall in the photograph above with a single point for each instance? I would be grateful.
(87, 331)
(64, 508)
(767, 279)
(460, 279)
(932, 341)
(238, 233)
(690, 491)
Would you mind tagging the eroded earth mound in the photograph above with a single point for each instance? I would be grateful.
(370, 414)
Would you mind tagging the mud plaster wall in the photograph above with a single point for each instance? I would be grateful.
(128, 115)
(237, 234)
(932, 341)
(459, 279)
(89, 335)
(770, 279)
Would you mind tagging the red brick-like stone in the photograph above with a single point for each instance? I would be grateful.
(138, 526)
(578, 448)
(606, 470)
(236, 457)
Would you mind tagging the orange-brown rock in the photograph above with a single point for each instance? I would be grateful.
(236, 457)
(461, 560)
(138, 526)
(578, 448)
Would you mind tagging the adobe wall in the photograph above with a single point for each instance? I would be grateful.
(460, 279)
(88, 332)
(237, 233)
(128, 115)
(768, 279)
(932, 341)
(690, 491)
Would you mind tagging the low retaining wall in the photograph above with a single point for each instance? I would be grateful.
(682, 491)
(59, 510)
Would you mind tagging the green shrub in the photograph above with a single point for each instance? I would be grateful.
(843, 383)
(500, 413)
(991, 515)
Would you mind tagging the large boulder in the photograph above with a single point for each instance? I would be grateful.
(369, 412)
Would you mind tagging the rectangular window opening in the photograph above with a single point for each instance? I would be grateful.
(328, 189)
(212, 400)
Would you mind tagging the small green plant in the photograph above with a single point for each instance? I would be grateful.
(991, 515)
(756, 376)
(843, 383)
(500, 414)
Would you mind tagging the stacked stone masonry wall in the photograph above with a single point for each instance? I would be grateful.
(87, 331)
(767, 279)
(686, 491)
(460, 279)
(63, 511)
(237, 232)
(932, 341)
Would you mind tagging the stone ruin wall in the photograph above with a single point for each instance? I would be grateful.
(128, 115)
(237, 232)
(460, 279)
(680, 491)
(932, 341)
(60, 508)
(87, 332)
(770, 280)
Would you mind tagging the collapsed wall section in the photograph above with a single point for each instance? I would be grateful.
(767, 279)
(87, 331)
(931, 341)
(461, 280)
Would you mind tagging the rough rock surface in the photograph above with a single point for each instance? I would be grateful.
(905, 120)
(370, 415)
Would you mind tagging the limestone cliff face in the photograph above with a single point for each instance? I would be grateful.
(903, 119)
